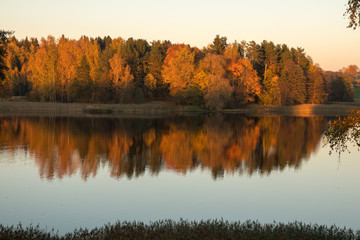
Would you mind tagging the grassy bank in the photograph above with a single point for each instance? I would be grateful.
(166, 108)
(217, 229)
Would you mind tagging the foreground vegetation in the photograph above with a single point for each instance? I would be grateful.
(168, 229)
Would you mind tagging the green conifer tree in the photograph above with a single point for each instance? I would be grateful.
(80, 89)
(219, 44)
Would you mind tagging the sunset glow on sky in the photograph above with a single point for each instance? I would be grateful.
(317, 26)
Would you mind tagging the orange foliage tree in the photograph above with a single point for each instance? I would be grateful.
(179, 69)
(244, 80)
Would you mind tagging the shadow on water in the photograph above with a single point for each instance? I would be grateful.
(222, 144)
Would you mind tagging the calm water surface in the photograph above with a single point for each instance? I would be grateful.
(66, 173)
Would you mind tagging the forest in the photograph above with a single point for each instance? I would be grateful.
(221, 75)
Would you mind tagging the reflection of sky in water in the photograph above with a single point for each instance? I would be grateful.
(323, 190)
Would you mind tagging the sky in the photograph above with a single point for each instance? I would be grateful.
(318, 26)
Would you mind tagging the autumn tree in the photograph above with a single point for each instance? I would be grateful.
(212, 80)
(68, 58)
(211, 65)
(178, 70)
(218, 92)
(50, 70)
(91, 50)
(5, 86)
(122, 79)
(44, 78)
(244, 80)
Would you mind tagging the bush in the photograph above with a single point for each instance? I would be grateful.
(210, 229)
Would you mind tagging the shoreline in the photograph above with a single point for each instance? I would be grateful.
(163, 109)
(302, 110)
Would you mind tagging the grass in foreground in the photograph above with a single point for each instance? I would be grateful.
(168, 229)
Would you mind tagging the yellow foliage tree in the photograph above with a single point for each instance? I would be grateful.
(179, 69)
(212, 80)
(43, 65)
(68, 57)
(121, 77)
(271, 90)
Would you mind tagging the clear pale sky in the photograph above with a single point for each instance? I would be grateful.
(318, 26)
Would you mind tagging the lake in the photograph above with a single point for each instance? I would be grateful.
(66, 173)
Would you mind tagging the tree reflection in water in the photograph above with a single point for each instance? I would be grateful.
(130, 147)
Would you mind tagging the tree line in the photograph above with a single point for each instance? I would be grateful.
(106, 70)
